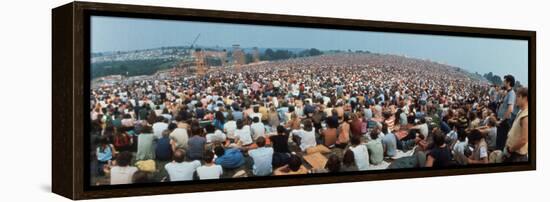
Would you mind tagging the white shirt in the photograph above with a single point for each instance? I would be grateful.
(209, 172)
(361, 154)
(244, 135)
(180, 136)
(258, 129)
(182, 171)
(307, 138)
(217, 136)
(230, 128)
(122, 175)
(158, 128)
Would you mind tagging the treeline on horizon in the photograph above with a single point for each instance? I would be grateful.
(496, 79)
(131, 67)
(151, 66)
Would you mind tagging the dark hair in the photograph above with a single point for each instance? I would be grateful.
(355, 140)
(260, 141)
(374, 133)
(172, 126)
(123, 159)
(333, 164)
(219, 151)
(308, 125)
(349, 158)
(219, 116)
(439, 138)
(523, 92)
(179, 155)
(256, 119)
(208, 156)
(240, 124)
(462, 134)
(492, 122)
(210, 128)
(281, 129)
(475, 135)
(141, 177)
(510, 79)
(385, 128)
(294, 163)
(196, 130)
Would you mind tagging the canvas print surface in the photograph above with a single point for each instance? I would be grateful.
(174, 100)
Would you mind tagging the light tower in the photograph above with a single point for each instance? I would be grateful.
(238, 56)
(200, 61)
(256, 54)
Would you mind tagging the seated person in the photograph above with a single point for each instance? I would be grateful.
(243, 136)
(122, 172)
(293, 167)
(376, 150)
(179, 169)
(489, 133)
(360, 153)
(480, 154)
(307, 135)
(330, 134)
(279, 143)
(389, 142)
(209, 170)
(214, 135)
(228, 158)
(196, 144)
(257, 128)
(439, 156)
(262, 157)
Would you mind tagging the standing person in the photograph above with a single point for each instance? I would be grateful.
(122, 173)
(209, 170)
(179, 169)
(505, 111)
(262, 157)
(360, 153)
(517, 144)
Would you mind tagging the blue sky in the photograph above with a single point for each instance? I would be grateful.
(500, 56)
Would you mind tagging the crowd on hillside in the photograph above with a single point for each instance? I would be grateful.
(359, 111)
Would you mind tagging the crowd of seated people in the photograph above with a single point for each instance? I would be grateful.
(360, 111)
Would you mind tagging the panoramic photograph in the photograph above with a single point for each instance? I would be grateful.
(174, 100)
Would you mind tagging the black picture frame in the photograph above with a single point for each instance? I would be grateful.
(71, 82)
